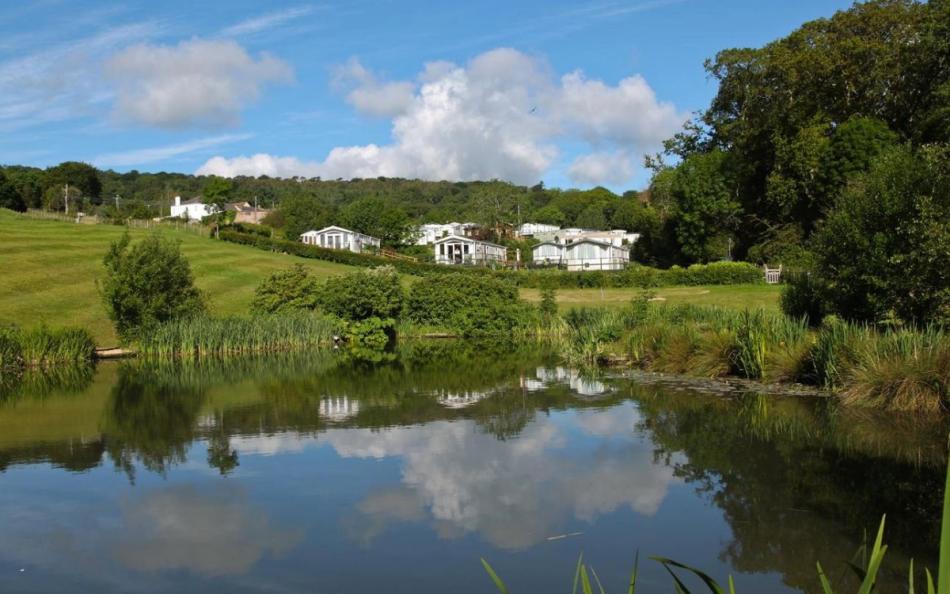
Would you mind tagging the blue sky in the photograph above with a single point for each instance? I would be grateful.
(571, 93)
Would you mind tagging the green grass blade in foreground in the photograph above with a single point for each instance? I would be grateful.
(874, 563)
(943, 569)
(825, 584)
(633, 576)
(710, 583)
(494, 577)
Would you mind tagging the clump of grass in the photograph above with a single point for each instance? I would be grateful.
(901, 370)
(44, 346)
(590, 331)
(206, 336)
(834, 351)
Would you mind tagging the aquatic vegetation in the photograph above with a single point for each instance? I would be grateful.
(206, 336)
(42, 346)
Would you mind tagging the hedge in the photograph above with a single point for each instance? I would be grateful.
(635, 275)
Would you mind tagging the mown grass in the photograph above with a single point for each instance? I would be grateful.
(49, 269)
(729, 296)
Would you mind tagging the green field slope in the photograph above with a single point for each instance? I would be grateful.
(48, 271)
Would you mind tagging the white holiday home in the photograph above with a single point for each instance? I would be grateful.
(430, 232)
(338, 238)
(193, 210)
(584, 254)
(455, 249)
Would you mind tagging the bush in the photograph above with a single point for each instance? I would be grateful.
(374, 293)
(474, 305)
(287, 290)
(803, 296)
(147, 284)
(883, 250)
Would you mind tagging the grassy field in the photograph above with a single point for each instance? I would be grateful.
(737, 296)
(49, 270)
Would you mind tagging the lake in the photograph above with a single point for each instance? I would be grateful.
(322, 473)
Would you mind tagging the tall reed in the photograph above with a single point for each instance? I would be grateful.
(43, 346)
(206, 336)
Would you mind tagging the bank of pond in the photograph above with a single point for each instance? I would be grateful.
(497, 449)
(895, 369)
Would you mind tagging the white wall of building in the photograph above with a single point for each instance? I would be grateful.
(338, 238)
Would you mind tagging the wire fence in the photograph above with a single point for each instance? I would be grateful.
(178, 225)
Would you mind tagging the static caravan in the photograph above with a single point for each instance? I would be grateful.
(455, 249)
(338, 238)
(585, 254)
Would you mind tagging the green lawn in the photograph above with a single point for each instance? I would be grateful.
(738, 296)
(48, 271)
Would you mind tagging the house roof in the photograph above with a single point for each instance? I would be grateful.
(593, 241)
(468, 240)
(335, 228)
(554, 243)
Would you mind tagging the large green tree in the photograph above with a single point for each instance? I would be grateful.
(9, 197)
(83, 176)
(883, 251)
(373, 216)
(706, 209)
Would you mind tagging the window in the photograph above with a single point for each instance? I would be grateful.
(466, 248)
(442, 249)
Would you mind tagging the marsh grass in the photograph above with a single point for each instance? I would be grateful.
(43, 346)
(205, 336)
(904, 369)
(900, 370)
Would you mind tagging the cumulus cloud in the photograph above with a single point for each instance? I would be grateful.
(513, 494)
(196, 82)
(599, 168)
(501, 116)
(369, 95)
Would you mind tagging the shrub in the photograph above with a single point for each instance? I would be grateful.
(472, 304)
(803, 296)
(287, 290)
(884, 248)
(548, 305)
(147, 284)
(374, 293)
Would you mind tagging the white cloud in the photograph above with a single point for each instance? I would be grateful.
(197, 82)
(500, 116)
(160, 153)
(601, 168)
(62, 81)
(371, 96)
(257, 165)
(265, 21)
(513, 494)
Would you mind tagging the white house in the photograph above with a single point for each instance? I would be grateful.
(455, 249)
(427, 234)
(193, 209)
(583, 254)
(338, 238)
(532, 229)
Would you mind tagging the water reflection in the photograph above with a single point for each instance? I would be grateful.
(514, 496)
(212, 533)
(237, 468)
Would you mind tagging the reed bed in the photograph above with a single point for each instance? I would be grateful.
(895, 369)
(43, 346)
(205, 336)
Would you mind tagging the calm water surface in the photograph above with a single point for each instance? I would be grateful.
(319, 474)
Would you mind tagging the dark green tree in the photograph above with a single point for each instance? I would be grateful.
(883, 251)
(83, 176)
(217, 192)
(301, 213)
(706, 209)
(9, 197)
(146, 284)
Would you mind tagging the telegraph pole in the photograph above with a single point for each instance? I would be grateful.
(66, 197)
